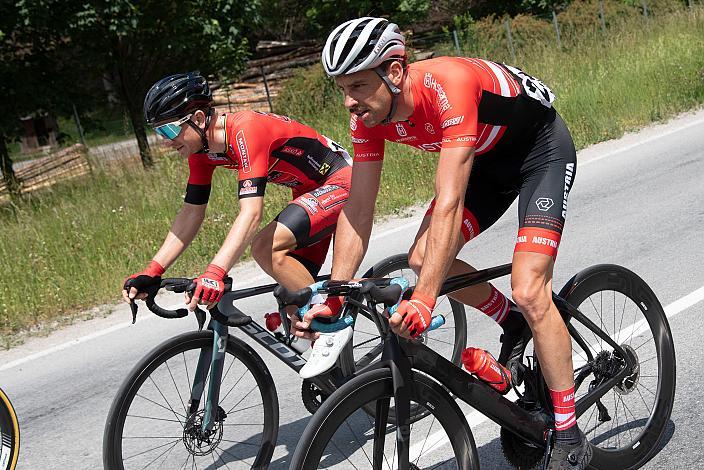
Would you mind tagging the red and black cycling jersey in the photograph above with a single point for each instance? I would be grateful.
(266, 147)
(458, 102)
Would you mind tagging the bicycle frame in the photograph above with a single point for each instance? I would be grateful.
(403, 356)
(212, 359)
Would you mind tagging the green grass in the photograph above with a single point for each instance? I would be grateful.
(69, 248)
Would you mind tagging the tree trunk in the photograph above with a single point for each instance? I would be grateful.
(140, 133)
(8, 173)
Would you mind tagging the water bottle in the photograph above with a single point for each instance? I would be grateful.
(482, 364)
(273, 324)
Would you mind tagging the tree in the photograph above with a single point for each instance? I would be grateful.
(137, 43)
(33, 73)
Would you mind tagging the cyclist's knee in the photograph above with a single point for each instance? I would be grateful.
(533, 300)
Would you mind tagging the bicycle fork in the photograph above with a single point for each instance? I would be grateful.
(210, 360)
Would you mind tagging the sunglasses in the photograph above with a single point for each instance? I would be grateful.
(171, 130)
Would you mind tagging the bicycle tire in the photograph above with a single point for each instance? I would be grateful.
(581, 292)
(357, 394)
(392, 265)
(388, 266)
(193, 342)
(9, 434)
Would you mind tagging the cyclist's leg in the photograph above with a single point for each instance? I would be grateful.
(485, 202)
(549, 171)
(293, 247)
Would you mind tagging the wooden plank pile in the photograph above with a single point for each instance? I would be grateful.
(67, 163)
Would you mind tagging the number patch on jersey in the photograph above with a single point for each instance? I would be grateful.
(534, 87)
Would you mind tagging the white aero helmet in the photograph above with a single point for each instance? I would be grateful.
(362, 44)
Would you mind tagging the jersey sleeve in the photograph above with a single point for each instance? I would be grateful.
(199, 179)
(458, 106)
(367, 147)
(251, 146)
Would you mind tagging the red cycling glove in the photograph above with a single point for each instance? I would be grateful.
(150, 276)
(416, 313)
(330, 308)
(210, 285)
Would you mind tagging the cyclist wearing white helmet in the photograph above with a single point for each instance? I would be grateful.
(499, 139)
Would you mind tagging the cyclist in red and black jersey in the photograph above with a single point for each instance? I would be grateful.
(499, 139)
(261, 148)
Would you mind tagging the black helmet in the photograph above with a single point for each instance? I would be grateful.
(175, 96)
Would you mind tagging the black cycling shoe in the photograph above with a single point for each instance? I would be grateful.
(565, 456)
(514, 338)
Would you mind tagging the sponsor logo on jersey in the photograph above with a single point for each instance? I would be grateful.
(401, 130)
(324, 168)
(323, 190)
(293, 151)
(248, 190)
(410, 138)
(367, 155)
(332, 200)
(244, 153)
(355, 140)
(310, 203)
(544, 203)
(353, 122)
(283, 178)
(430, 82)
(429, 128)
(452, 122)
(466, 138)
(569, 173)
(434, 147)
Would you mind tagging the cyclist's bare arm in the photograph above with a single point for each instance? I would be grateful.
(183, 231)
(354, 226)
(451, 178)
(240, 236)
(242, 232)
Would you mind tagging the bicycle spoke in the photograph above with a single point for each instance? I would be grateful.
(185, 411)
(246, 408)
(233, 387)
(165, 399)
(159, 456)
(242, 399)
(188, 376)
(155, 419)
(152, 449)
(162, 406)
(641, 397)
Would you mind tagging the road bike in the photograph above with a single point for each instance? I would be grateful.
(624, 376)
(9, 434)
(206, 398)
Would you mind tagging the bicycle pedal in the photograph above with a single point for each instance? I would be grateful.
(325, 351)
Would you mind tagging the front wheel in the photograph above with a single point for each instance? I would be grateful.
(150, 424)
(626, 425)
(9, 434)
(341, 433)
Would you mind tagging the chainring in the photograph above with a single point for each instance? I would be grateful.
(312, 396)
(519, 453)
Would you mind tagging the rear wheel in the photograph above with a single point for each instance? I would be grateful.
(626, 425)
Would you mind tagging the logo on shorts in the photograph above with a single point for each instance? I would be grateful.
(324, 168)
(544, 203)
(310, 203)
(401, 130)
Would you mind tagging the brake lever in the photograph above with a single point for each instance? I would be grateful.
(134, 308)
(200, 317)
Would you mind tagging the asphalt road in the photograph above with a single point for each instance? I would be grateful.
(637, 202)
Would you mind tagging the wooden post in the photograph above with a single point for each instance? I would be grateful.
(78, 125)
(266, 88)
(510, 40)
(645, 8)
(601, 16)
(557, 29)
(457, 42)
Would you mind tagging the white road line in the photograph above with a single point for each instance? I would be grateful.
(475, 418)
(374, 237)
